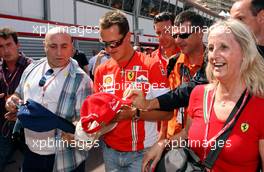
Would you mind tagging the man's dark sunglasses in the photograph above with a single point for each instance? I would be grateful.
(182, 36)
(114, 44)
(43, 79)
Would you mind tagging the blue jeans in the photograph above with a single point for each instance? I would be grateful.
(116, 161)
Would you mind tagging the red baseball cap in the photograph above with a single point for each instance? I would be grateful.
(100, 108)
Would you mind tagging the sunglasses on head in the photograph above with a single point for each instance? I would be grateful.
(181, 35)
(114, 44)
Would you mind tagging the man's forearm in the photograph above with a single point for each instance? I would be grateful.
(152, 104)
(171, 100)
(155, 115)
(176, 98)
(179, 97)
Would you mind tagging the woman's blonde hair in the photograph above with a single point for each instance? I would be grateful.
(252, 66)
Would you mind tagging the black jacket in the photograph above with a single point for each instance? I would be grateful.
(179, 97)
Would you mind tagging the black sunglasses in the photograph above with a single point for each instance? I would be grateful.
(43, 79)
(114, 44)
(182, 35)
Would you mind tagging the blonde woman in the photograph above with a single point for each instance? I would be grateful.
(235, 67)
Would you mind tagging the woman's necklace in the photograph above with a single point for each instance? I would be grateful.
(223, 103)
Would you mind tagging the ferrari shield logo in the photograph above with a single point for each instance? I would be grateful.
(244, 127)
(130, 75)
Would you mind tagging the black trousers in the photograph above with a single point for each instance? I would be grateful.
(42, 163)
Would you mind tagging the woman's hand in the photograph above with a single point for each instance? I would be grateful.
(152, 157)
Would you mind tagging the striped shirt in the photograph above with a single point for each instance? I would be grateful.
(76, 88)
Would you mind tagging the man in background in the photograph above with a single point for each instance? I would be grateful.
(251, 12)
(11, 69)
(96, 60)
(80, 57)
(168, 50)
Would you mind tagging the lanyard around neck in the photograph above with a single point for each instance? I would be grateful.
(208, 112)
(11, 80)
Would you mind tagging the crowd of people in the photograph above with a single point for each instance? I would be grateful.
(184, 90)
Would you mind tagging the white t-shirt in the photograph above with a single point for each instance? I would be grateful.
(43, 142)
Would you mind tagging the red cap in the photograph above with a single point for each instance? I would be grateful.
(100, 108)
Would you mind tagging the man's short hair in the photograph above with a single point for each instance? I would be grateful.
(6, 32)
(189, 16)
(256, 6)
(115, 17)
(164, 16)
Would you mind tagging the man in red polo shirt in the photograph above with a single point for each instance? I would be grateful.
(168, 50)
(125, 145)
